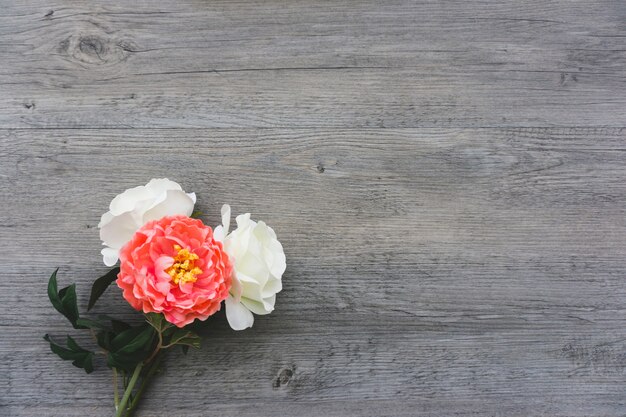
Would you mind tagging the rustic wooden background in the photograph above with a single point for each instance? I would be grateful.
(448, 179)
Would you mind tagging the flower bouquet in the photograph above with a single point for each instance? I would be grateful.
(175, 270)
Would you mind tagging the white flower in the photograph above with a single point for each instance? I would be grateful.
(137, 206)
(258, 265)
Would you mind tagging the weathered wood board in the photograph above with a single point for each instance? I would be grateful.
(448, 180)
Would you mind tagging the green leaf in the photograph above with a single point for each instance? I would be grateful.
(104, 338)
(100, 285)
(125, 361)
(63, 353)
(143, 341)
(133, 339)
(91, 324)
(157, 321)
(119, 326)
(129, 347)
(70, 306)
(185, 337)
(125, 337)
(196, 214)
(64, 301)
(53, 294)
(81, 358)
(86, 362)
(71, 343)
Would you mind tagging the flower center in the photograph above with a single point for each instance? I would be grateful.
(184, 268)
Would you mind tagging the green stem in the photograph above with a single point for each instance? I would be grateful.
(116, 395)
(154, 366)
(133, 380)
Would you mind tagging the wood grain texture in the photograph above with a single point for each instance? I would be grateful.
(431, 271)
(448, 180)
(313, 64)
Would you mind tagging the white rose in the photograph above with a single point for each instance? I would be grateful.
(137, 206)
(258, 265)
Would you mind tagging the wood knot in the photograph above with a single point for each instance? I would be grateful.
(95, 49)
(284, 376)
(92, 46)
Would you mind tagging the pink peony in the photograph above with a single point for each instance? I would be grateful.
(174, 266)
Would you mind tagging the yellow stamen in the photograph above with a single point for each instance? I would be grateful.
(184, 268)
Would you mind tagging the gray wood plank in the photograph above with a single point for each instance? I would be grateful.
(312, 64)
(430, 271)
(448, 180)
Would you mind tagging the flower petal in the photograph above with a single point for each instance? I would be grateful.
(238, 316)
(176, 202)
(119, 230)
(157, 186)
(106, 218)
(220, 232)
(273, 286)
(128, 199)
(109, 256)
(259, 306)
(226, 218)
(236, 287)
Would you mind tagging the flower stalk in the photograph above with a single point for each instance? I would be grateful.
(116, 395)
(153, 367)
(121, 410)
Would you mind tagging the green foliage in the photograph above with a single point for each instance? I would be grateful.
(125, 346)
(158, 321)
(91, 324)
(64, 301)
(81, 358)
(196, 214)
(100, 285)
(119, 326)
(129, 347)
(186, 338)
(133, 339)
(171, 334)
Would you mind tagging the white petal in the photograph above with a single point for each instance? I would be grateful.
(272, 287)
(238, 316)
(254, 267)
(119, 230)
(158, 186)
(218, 234)
(260, 307)
(251, 288)
(236, 288)
(176, 202)
(106, 218)
(110, 256)
(226, 218)
(279, 264)
(128, 199)
(243, 220)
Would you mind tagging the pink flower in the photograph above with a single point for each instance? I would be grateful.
(174, 266)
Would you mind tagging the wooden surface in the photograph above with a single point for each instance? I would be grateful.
(448, 180)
